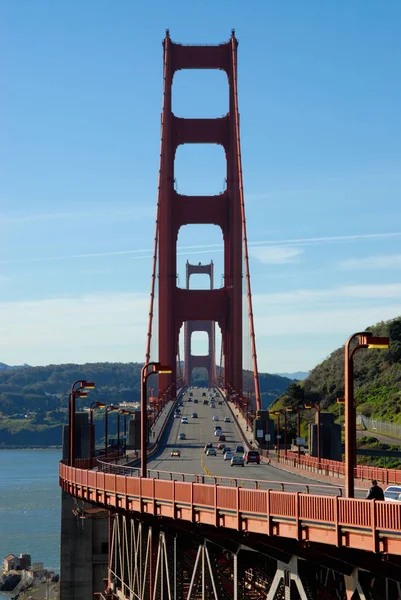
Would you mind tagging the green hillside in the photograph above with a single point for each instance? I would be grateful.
(377, 388)
(34, 400)
(377, 377)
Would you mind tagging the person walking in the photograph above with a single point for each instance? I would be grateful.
(375, 492)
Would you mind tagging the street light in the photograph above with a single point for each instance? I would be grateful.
(77, 391)
(279, 412)
(122, 411)
(317, 406)
(109, 409)
(127, 412)
(91, 436)
(156, 367)
(366, 340)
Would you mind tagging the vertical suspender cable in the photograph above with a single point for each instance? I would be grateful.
(156, 240)
(244, 234)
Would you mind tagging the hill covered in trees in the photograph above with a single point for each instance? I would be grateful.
(377, 378)
(34, 400)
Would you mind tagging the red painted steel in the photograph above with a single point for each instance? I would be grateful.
(179, 305)
(234, 45)
(326, 519)
(333, 467)
(208, 361)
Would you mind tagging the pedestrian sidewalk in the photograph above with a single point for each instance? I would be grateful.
(241, 423)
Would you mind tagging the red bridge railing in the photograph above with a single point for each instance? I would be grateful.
(363, 524)
(337, 468)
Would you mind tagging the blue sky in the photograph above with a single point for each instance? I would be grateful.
(320, 98)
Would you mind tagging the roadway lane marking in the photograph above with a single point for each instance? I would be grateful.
(206, 470)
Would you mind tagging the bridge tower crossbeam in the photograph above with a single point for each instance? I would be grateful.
(176, 305)
(207, 361)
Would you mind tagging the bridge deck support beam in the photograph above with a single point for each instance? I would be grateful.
(287, 573)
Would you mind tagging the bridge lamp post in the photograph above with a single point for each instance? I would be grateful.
(278, 413)
(147, 370)
(91, 435)
(126, 413)
(122, 411)
(109, 409)
(317, 406)
(366, 340)
(77, 391)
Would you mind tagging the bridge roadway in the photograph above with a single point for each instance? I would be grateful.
(193, 460)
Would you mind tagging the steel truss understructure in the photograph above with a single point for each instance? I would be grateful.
(153, 559)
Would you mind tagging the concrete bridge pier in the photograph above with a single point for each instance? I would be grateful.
(84, 532)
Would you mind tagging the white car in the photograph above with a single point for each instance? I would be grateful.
(237, 459)
(217, 432)
(228, 455)
(184, 420)
(211, 452)
(393, 493)
(216, 418)
(227, 420)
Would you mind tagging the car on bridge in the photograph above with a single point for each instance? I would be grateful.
(228, 455)
(194, 415)
(393, 493)
(184, 420)
(217, 432)
(195, 400)
(227, 449)
(239, 450)
(252, 456)
(227, 420)
(175, 453)
(216, 418)
(207, 447)
(177, 415)
(222, 438)
(221, 446)
(182, 436)
(237, 459)
(211, 452)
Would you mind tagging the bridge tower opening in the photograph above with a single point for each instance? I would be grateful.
(178, 306)
(191, 361)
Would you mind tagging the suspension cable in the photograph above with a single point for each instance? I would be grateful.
(244, 233)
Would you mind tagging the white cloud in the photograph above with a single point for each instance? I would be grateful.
(113, 327)
(275, 255)
(307, 297)
(321, 322)
(219, 247)
(103, 327)
(87, 212)
(381, 261)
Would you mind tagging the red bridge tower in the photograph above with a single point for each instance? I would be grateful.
(176, 305)
(208, 361)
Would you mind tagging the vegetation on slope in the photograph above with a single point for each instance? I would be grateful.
(377, 385)
(34, 400)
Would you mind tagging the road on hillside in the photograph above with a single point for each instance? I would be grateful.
(193, 460)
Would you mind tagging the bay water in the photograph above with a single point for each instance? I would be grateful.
(30, 505)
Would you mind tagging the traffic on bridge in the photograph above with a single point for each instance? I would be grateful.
(199, 511)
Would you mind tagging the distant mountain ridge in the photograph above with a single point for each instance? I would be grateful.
(4, 367)
(299, 375)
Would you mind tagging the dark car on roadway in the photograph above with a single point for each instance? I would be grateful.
(252, 456)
